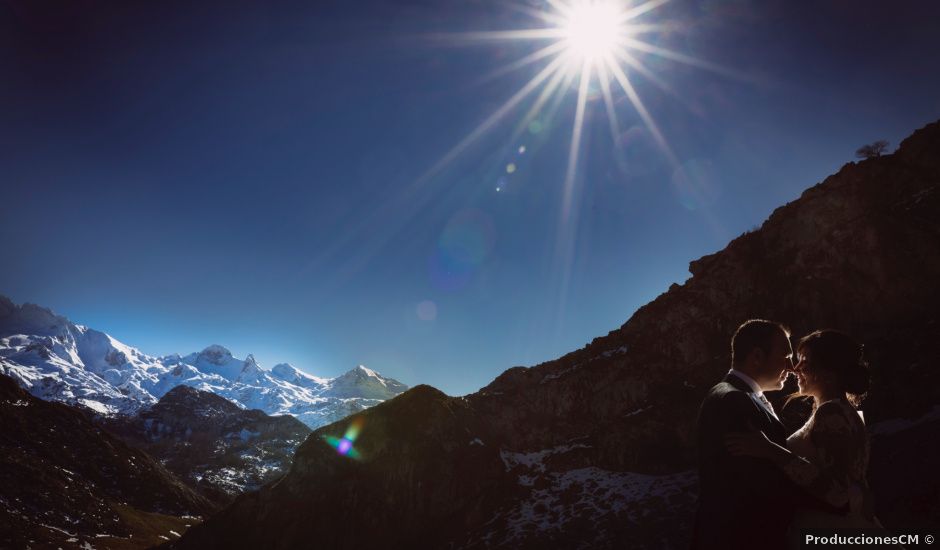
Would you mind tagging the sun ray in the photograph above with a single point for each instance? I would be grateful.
(536, 108)
(563, 9)
(495, 116)
(639, 67)
(633, 29)
(517, 34)
(641, 109)
(604, 78)
(567, 226)
(527, 60)
(575, 139)
(665, 53)
(641, 9)
(547, 16)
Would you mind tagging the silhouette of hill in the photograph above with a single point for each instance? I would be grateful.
(596, 448)
(66, 482)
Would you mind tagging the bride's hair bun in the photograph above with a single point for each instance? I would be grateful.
(837, 352)
(856, 376)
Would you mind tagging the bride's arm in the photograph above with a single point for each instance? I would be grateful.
(827, 477)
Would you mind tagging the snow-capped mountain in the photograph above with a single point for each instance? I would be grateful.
(56, 359)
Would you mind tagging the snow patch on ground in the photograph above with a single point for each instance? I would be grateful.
(558, 499)
(619, 351)
(535, 460)
(637, 411)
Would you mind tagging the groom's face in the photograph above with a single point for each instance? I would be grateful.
(777, 364)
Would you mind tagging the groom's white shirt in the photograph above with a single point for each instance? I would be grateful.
(758, 393)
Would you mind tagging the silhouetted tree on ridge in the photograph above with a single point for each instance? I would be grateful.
(872, 150)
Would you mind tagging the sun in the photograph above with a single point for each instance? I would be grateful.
(596, 50)
(583, 45)
(592, 30)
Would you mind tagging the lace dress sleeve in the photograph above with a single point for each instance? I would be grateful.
(827, 475)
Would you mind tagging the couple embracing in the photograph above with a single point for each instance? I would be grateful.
(759, 487)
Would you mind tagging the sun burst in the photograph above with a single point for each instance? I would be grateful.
(585, 46)
(592, 30)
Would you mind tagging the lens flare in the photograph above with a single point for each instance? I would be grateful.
(426, 310)
(344, 445)
(462, 249)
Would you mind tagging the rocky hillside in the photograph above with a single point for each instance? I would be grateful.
(211, 443)
(596, 448)
(66, 483)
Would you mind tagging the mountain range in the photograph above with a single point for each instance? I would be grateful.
(55, 359)
(596, 448)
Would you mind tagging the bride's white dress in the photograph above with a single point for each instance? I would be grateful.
(831, 457)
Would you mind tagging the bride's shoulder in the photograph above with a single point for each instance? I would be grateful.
(832, 406)
(833, 416)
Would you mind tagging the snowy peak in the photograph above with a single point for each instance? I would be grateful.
(285, 372)
(292, 375)
(363, 371)
(30, 319)
(217, 360)
(364, 382)
(216, 355)
(251, 372)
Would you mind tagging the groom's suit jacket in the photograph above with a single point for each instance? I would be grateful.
(744, 502)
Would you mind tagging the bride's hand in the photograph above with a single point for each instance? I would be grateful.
(753, 444)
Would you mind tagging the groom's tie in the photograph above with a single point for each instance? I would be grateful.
(767, 405)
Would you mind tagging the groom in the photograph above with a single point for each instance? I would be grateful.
(745, 502)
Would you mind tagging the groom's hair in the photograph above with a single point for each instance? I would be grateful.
(756, 333)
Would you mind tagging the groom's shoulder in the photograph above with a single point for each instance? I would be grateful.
(724, 393)
(722, 389)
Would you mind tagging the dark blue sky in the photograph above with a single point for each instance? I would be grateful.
(250, 174)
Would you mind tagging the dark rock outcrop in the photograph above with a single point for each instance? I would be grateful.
(409, 483)
(597, 447)
(206, 440)
(64, 482)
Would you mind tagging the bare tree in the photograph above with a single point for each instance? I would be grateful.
(872, 150)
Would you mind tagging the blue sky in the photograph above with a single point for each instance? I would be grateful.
(251, 174)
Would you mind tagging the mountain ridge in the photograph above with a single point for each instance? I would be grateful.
(56, 359)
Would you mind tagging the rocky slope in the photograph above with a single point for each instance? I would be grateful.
(56, 359)
(66, 483)
(595, 449)
(211, 443)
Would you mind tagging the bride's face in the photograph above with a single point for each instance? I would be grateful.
(805, 379)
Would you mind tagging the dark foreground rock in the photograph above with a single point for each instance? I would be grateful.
(64, 482)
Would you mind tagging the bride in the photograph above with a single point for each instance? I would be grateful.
(828, 456)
